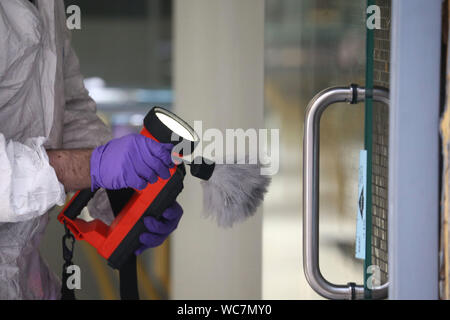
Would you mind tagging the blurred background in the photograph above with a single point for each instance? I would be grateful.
(231, 63)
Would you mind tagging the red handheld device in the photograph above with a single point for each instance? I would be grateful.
(118, 241)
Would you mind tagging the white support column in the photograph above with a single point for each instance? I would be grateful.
(219, 78)
(414, 150)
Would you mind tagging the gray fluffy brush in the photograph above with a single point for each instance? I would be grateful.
(231, 192)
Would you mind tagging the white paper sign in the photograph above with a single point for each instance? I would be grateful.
(360, 246)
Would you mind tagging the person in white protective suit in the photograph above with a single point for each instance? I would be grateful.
(49, 134)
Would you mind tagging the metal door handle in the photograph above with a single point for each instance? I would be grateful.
(316, 107)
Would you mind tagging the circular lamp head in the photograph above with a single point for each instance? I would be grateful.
(167, 127)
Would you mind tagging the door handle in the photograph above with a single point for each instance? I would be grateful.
(316, 107)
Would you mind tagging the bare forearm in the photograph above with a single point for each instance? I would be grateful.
(72, 167)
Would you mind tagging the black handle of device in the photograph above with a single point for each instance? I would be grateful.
(81, 201)
(130, 243)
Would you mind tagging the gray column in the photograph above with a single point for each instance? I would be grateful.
(413, 149)
(219, 78)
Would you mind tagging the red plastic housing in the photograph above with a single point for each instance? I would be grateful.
(106, 238)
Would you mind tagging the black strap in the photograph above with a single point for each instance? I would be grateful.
(66, 293)
(128, 280)
(128, 272)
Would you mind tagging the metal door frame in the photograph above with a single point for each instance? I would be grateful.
(414, 149)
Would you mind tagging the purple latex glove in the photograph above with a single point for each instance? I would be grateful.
(132, 161)
(159, 230)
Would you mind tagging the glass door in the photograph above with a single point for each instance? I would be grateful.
(310, 46)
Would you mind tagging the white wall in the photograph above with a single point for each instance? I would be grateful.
(219, 78)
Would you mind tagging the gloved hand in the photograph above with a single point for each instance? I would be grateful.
(159, 230)
(132, 161)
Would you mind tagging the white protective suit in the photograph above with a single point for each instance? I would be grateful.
(43, 105)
